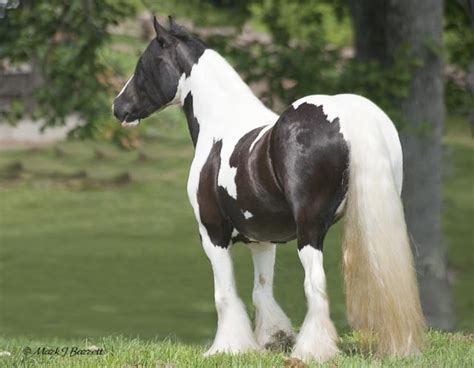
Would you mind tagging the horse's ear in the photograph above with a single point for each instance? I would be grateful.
(162, 35)
(176, 29)
(171, 22)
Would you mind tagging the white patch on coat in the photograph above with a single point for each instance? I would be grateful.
(317, 337)
(260, 135)
(229, 185)
(247, 214)
(178, 97)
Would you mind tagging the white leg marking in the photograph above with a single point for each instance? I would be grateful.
(317, 337)
(234, 331)
(270, 318)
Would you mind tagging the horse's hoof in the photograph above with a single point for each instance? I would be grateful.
(232, 349)
(320, 355)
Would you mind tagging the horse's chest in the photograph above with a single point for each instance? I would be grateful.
(237, 190)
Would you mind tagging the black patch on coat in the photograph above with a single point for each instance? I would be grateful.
(257, 192)
(193, 124)
(311, 161)
(217, 225)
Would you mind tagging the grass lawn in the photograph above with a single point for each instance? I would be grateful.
(97, 241)
(443, 350)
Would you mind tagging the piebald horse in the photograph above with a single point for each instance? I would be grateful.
(262, 179)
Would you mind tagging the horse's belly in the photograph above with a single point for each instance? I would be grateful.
(263, 222)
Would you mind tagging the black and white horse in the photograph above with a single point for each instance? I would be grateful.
(263, 179)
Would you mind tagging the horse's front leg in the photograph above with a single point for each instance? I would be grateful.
(272, 327)
(234, 331)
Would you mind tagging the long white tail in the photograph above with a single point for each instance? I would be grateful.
(381, 288)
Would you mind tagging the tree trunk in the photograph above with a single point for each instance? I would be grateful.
(417, 24)
(470, 75)
(368, 18)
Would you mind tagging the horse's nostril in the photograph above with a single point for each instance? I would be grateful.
(121, 111)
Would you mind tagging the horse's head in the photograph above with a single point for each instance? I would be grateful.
(168, 58)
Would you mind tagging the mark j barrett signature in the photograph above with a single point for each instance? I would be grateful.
(63, 351)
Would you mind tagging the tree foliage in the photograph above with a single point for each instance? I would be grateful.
(459, 26)
(459, 32)
(64, 37)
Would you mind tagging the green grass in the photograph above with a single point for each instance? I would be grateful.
(96, 241)
(442, 350)
(458, 214)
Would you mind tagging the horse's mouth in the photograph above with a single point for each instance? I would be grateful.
(130, 124)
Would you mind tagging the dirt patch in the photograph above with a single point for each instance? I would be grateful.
(294, 363)
(281, 341)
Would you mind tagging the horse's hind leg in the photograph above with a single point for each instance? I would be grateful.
(311, 158)
(272, 327)
(315, 202)
(317, 337)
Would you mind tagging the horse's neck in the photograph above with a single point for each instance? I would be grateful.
(221, 102)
